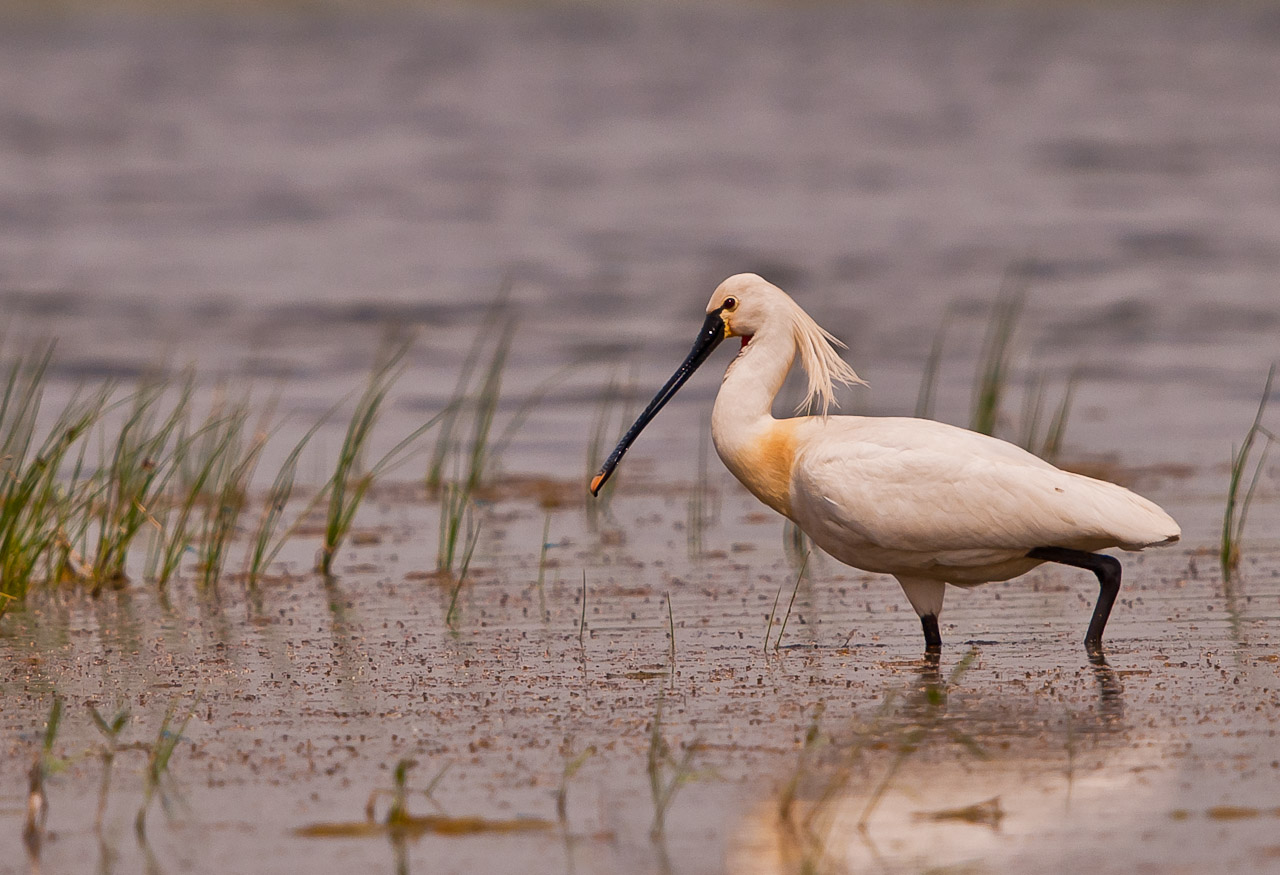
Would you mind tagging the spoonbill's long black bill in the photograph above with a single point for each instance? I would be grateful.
(708, 339)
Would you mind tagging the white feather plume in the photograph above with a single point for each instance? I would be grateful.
(821, 362)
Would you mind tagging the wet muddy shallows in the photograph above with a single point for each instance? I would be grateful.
(345, 723)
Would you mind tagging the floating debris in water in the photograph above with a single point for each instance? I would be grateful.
(412, 826)
(987, 813)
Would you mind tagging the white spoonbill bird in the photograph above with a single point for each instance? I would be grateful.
(929, 503)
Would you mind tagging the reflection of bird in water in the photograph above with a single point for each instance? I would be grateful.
(927, 696)
(929, 503)
(1110, 690)
(942, 749)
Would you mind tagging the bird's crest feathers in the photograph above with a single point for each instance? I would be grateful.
(821, 362)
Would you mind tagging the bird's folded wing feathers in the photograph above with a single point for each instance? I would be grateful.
(927, 498)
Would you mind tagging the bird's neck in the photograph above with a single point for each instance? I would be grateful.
(754, 379)
(754, 446)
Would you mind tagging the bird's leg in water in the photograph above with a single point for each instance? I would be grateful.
(926, 597)
(932, 638)
(1107, 568)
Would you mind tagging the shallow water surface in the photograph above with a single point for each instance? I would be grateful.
(304, 695)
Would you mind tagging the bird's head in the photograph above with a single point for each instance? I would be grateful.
(745, 303)
(743, 306)
(748, 305)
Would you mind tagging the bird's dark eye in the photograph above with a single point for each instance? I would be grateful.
(730, 303)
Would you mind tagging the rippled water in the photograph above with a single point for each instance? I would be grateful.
(263, 192)
(305, 693)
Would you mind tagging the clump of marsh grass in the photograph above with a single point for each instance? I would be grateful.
(44, 496)
(458, 530)
(268, 540)
(459, 466)
(347, 486)
(135, 475)
(19, 406)
(174, 520)
(62, 517)
(351, 480)
(933, 364)
(466, 453)
(1047, 444)
(473, 537)
(446, 442)
(229, 492)
(214, 465)
(75, 498)
(993, 378)
(480, 400)
(1236, 510)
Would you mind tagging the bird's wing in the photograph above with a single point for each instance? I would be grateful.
(924, 487)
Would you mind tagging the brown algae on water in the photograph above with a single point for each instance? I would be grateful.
(400, 824)
(986, 813)
(413, 826)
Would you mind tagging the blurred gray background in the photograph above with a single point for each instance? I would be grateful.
(262, 191)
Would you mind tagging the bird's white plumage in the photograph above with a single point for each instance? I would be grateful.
(924, 501)
(916, 497)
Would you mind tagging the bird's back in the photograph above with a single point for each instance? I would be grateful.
(877, 491)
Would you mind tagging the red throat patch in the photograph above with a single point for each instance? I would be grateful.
(746, 338)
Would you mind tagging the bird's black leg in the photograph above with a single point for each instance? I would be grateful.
(932, 638)
(1107, 568)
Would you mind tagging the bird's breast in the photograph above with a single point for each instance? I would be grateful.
(763, 460)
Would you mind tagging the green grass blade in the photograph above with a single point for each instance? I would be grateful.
(933, 364)
(994, 365)
(1236, 509)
